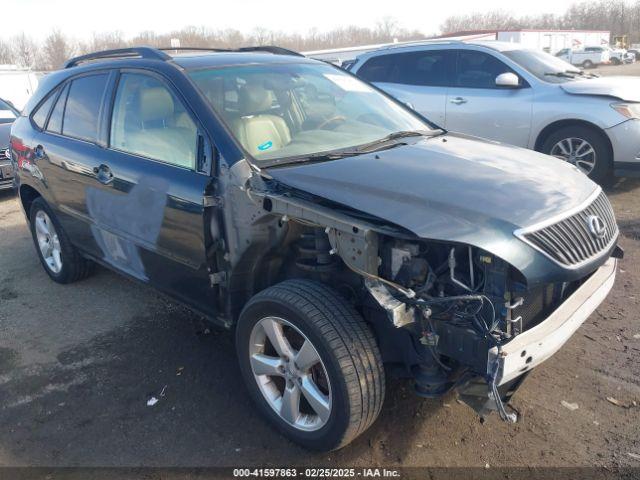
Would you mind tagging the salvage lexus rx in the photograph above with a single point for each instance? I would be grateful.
(333, 228)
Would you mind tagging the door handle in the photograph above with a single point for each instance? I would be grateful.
(458, 100)
(103, 174)
(39, 151)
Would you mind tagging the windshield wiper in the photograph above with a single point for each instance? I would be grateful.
(380, 144)
(371, 146)
(314, 157)
(571, 74)
(567, 74)
(582, 73)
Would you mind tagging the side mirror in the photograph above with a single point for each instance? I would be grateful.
(508, 79)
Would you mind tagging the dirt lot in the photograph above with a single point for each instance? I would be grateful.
(631, 69)
(78, 363)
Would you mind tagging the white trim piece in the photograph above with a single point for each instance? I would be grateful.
(539, 343)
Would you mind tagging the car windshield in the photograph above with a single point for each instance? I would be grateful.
(294, 111)
(544, 66)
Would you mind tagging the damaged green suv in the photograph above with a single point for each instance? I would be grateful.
(337, 231)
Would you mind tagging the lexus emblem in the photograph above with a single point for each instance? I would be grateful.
(596, 226)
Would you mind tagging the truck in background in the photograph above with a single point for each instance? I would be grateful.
(587, 57)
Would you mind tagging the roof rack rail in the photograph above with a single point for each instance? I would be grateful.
(426, 41)
(257, 48)
(193, 49)
(269, 49)
(142, 52)
(158, 53)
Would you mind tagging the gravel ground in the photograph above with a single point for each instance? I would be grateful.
(78, 363)
(630, 69)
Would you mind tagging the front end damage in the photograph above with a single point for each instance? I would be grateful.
(449, 315)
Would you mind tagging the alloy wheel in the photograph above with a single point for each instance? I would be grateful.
(48, 242)
(290, 374)
(576, 151)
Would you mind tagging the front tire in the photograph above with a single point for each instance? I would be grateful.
(311, 364)
(60, 259)
(584, 147)
(587, 64)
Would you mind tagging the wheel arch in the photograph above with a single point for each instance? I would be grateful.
(549, 129)
(27, 195)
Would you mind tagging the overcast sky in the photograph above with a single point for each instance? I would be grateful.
(79, 18)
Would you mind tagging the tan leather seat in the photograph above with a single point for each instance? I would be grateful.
(259, 132)
(162, 133)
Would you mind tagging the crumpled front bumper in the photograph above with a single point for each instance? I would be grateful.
(537, 344)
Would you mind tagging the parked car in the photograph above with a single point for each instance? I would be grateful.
(522, 97)
(335, 229)
(8, 114)
(588, 57)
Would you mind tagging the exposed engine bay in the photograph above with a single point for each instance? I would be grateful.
(465, 302)
(442, 312)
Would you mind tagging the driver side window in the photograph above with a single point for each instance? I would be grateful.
(150, 121)
(477, 69)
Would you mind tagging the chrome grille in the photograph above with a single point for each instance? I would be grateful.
(578, 238)
(4, 154)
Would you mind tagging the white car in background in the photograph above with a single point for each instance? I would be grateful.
(518, 96)
(588, 57)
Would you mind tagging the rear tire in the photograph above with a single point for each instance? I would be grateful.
(60, 259)
(346, 350)
(587, 64)
(567, 138)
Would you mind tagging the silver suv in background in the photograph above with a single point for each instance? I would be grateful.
(518, 96)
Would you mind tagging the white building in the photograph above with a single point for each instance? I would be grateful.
(550, 41)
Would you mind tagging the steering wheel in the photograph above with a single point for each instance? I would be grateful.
(329, 121)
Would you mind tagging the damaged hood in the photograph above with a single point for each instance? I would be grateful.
(623, 88)
(451, 188)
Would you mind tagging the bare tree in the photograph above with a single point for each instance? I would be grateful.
(261, 36)
(24, 51)
(56, 49)
(493, 20)
(387, 28)
(103, 41)
(7, 55)
(618, 16)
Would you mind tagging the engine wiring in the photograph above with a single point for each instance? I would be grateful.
(451, 302)
(480, 324)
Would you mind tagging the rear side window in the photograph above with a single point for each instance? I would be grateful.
(425, 68)
(149, 120)
(377, 69)
(41, 114)
(55, 120)
(82, 111)
(478, 69)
